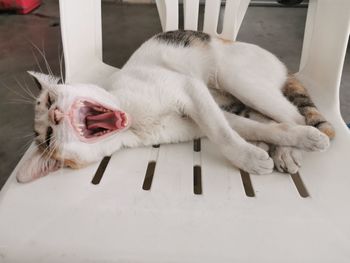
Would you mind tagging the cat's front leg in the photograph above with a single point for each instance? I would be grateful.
(201, 107)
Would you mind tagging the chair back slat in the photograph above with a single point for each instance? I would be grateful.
(211, 16)
(233, 16)
(171, 17)
(324, 49)
(191, 8)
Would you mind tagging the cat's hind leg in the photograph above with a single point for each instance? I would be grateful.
(300, 136)
(270, 102)
(199, 105)
(255, 77)
(268, 89)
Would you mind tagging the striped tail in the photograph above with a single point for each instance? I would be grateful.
(295, 92)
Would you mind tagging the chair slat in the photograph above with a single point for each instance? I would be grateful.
(174, 171)
(172, 15)
(326, 37)
(221, 181)
(89, 29)
(211, 16)
(126, 170)
(233, 17)
(275, 186)
(191, 8)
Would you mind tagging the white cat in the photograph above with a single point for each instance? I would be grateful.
(178, 86)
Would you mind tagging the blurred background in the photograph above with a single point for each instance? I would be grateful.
(277, 26)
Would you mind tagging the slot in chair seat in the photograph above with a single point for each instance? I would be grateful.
(270, 218)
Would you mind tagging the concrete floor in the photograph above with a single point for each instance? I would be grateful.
(125, 27)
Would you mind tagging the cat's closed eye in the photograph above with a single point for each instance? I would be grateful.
(49, 101)
(48, 136)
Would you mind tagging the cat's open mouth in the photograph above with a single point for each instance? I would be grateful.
(91, 120)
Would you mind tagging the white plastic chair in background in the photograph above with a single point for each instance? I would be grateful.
(218, 215)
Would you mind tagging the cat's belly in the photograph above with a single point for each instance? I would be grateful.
(166, 128)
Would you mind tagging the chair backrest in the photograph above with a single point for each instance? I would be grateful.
(325, 39)
(233, 16)
(325, 42)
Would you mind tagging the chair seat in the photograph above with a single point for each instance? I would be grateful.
(65, 218)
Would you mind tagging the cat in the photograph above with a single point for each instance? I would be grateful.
(178, 86)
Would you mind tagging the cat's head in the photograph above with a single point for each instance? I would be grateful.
(74, 125)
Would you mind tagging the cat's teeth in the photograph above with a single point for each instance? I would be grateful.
(79, 126)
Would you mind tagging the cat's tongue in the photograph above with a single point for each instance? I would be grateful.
(108, 120)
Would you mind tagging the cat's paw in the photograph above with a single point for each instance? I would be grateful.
(255, 160)
(286, 159)
(311, 139)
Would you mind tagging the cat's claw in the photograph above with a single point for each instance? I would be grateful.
(313, 140)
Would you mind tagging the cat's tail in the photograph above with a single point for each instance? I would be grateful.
(296, 93)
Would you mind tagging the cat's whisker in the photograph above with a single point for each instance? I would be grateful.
(60, 59)
(28, 89)
(28, 135)
(37, 61)
(47, 149)
(19, 101)
(31, 96)
(22, 134)
(25, 146)
(53, 149)
(48, 154)
(46, 62)
(14, 92)
(42, 53)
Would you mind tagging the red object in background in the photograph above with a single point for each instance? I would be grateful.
(20, 6)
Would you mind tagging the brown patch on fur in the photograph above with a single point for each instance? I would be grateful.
(296, 93)
(313, 116)
(184, 38)
(72, 164)
(327, 129)
(294, 86)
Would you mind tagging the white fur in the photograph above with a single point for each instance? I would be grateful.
(167, 90)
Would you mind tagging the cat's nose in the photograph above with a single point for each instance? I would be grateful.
(56, 115)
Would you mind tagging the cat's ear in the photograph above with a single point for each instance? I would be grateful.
(43, 80)
(35, 166)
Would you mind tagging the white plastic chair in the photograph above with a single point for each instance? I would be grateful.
(66, 218)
